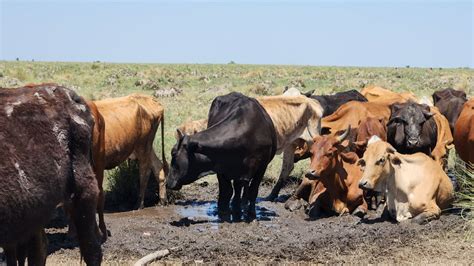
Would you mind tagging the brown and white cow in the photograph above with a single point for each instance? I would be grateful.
(464, 132)
(415, 186)
(45, 145)
(335, 167)
(293, 117)
(131, 123)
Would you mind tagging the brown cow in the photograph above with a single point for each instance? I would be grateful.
(381, 95)
(349, 114)
(48, 126)
(336, 168)
(191, 127)
(131, 123)
(309, 190)
(464, 132)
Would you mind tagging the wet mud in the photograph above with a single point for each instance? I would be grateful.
(194, 233)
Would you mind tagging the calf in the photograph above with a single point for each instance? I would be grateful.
(238, 144)
(415, 186)
(464, 132)
(48, 126)
(450, 103)
(338, 172)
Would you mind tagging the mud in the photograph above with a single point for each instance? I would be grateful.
(194, 234)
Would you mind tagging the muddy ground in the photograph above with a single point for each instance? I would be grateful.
(193, 233)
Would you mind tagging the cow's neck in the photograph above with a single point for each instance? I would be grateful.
(203, 163)
(334, 182)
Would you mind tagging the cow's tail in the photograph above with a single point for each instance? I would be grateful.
(163, 157)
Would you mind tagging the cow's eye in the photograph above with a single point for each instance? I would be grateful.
(361, 162)
(381, 161)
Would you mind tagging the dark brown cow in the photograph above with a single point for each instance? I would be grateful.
(450, 103)
(48, 126)
(464, 132)
(336, 169)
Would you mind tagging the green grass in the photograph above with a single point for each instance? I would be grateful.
(202, 83)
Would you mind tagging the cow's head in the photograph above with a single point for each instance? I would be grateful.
(406, 123)
(377, 164)
(325, 150)
(187, 165)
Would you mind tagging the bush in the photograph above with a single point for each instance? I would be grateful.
(464, 174)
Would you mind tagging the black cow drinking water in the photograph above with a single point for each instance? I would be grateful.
(238, 144)
(412, 128)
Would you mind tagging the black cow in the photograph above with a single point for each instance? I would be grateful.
(412, 128)
(331, 103)
(45, 143)
(238, 144)
(450, 103)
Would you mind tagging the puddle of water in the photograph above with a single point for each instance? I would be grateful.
(206, 213)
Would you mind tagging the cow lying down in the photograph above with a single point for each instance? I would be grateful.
(238, 144)
(415, 186)
(331, 184)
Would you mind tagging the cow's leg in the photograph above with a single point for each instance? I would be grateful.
(225, 194)
(84, 208)
(253, 193)
(432, 212)
(159, 173)
(38, 249)
(302, 192)
(236, 201)
(361, 210)
(144, 168)
(10, 255)
(286, 168)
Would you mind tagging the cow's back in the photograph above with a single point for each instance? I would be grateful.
(464, 132)
(36, 142)
(130, 122)
(351, 113)
(381, 95)
(330, 103)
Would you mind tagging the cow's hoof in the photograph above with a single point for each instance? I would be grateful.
(270, 197)
(162, 202)
(359, 212)
(293, 205)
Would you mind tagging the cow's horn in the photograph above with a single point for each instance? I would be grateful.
(344, 135)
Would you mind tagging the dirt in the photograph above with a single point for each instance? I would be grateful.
(194, 234)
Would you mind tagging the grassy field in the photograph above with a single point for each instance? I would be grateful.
(200, 84)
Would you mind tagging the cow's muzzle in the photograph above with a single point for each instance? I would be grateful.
(311, 174)
(364, 184)
(172, 184)
(412, 142)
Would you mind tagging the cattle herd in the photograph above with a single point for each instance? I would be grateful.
(368, 149)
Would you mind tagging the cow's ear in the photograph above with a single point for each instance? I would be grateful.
(427, 113)
(395, 107)
(179, 133)
(308, 93)
(395, 160)
(391, 150)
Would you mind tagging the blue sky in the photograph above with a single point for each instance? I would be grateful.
(340, 33)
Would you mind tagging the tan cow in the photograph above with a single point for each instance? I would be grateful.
(381, 95)
(415, 186)
(191, 127)
(293, 117)
(131, 123)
